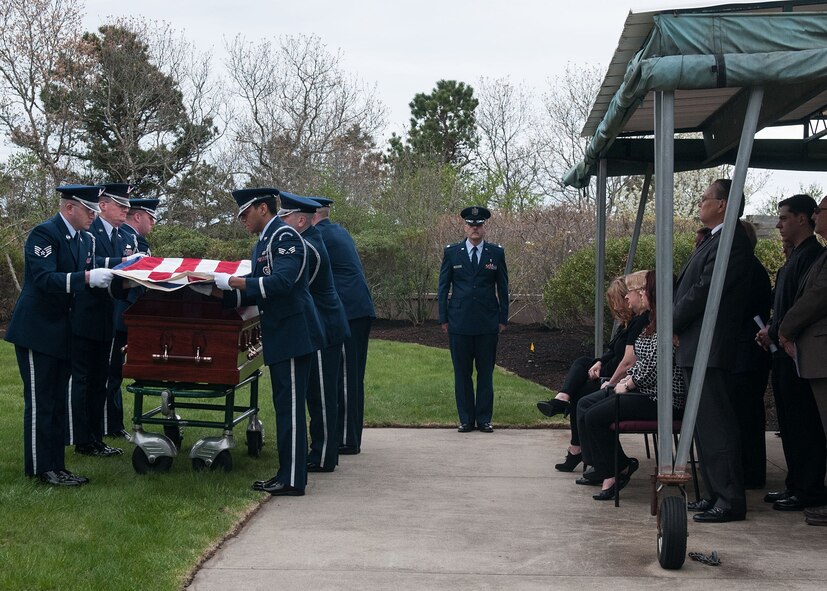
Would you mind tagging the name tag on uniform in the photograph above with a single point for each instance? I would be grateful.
(457, 266)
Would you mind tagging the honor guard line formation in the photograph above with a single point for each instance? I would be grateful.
(316, 312)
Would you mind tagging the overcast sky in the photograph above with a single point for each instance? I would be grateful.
(405, 47)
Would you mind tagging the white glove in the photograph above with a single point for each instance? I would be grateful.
(222, 281)
(133, 257)
(202, 288)
(100, 278)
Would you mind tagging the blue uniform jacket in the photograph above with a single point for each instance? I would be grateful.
(348, 273)
(278, 284)
(479, 298)
(132, 243)
(55, 273)
(328, 305)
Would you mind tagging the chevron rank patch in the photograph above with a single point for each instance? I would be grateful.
(43, 252)
(291, 250)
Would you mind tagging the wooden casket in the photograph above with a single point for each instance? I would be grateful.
(183, 336)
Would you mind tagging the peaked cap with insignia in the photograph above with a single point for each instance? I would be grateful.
(86, 195)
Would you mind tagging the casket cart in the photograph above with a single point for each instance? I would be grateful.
(190, 352)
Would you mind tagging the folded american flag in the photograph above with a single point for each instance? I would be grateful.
(169, 274)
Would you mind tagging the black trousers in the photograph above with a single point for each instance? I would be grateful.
(577, 385)
(468, 352)
(44, 412)
(352, 383)
(289, 379)
(777, 371)
(719, 441)
(748, 390)
(87, 390)
(323, 406)
(113, 415)
(802, 434)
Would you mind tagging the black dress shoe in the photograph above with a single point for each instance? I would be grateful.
(69, 475)
(572, 461)
(348, 450)
(57, 478)
(717, 515)
(465, 428)
(276, 488)
(107, 451)
(486, 428)
(314, 467)
(702, 505)
(607, 494)
(554, 407)
(777, 495)
(792, 503)
(589, 478)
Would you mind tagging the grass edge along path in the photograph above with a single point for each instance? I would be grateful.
(125, 529)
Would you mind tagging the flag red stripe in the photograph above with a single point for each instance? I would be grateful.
(227, 267)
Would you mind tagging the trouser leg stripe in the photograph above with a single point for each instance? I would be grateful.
(293, 419)
(344, 391)
(71, 414)
(34, 412)
(324, 407)
(106, 388)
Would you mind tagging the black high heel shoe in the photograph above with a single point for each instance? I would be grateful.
(572, 461)
(555, 406)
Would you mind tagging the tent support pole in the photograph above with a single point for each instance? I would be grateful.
(600, 258)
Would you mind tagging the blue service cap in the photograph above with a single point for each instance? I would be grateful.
(147, 205)
(118, 192)
(87, 195)
(475, 215)
(246, 197)
(295, 204)
(323, 201)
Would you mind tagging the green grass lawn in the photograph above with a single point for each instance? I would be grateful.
(125, 530)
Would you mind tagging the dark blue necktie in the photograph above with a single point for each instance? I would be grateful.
(475, 260)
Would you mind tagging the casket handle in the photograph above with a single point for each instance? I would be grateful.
(165, 356)
(254, 351)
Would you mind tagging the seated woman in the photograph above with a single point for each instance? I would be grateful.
(596, 412)
(585, 373)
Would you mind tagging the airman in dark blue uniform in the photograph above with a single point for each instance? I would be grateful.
(59, 261)
(290, 327)
(475, 274)
(93, 331)
(139, 222)
(349, 279)
(322, 392)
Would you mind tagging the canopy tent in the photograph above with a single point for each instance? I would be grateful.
(724, 72)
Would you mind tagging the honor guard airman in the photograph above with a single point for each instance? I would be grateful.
(140, 219)
(290, 327)
(474, 273)
(349, 279)
(59, 259)
(322, 392)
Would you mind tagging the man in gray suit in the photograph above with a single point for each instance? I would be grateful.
(716, 429)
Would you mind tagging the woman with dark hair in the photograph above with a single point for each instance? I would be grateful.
(585, 374)
(638, 398)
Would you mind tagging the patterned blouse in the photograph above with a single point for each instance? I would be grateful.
(644, 372)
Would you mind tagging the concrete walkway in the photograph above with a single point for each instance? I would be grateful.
(435, 509)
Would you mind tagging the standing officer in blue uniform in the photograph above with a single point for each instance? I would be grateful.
(290, 327)
(59, 265)
(140, 219)
(323, 391)
(349, 278)
(93, 330)
(475, 273)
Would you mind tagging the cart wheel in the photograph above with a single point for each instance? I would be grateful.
(174, 434)
(142, 464)
(223, 461)
(198, 465)
(672, 533)
(255, 443)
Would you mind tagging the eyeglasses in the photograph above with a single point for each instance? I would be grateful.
(701, 200)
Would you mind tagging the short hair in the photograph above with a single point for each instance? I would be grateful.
(801, 204)
(722, 187)
(751, 235)
(271, 202)
(616, 296)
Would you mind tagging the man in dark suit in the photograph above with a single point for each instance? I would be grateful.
(716, 428)
(290, 327)
(59, 265)
(322, 391)
(475, 274)
(349, 279)
(93, 331)
(802, 435)
(140, 219)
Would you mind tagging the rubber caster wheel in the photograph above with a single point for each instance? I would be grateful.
(142, 465)
(174, 434)
(255, 443)
(672, 533)
(222, 462)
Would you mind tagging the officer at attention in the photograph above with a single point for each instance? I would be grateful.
(474, 273)
(349, 278)
(290, 327)
(93, 330)
(322, 392)
(59, 260)
(140, 219)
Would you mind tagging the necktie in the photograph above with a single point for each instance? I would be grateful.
(113, 238)
(79, 247)
(475, 261)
